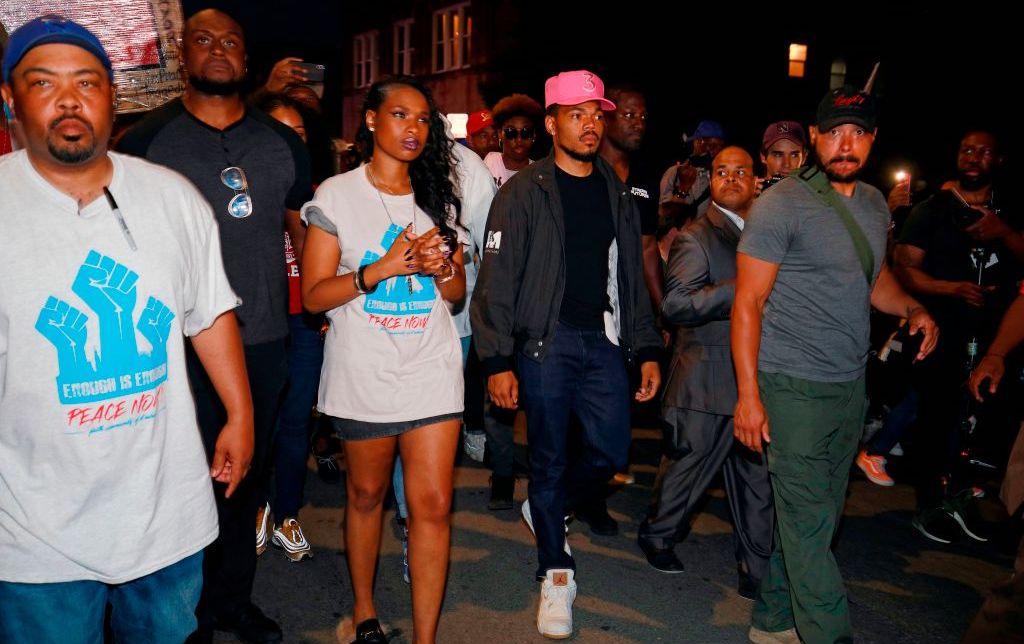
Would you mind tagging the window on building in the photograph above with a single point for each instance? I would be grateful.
(838, 75)
(452, 38)
(797, 60)
(364, 59)
(402, 47)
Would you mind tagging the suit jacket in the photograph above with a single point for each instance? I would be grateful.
(700, 285)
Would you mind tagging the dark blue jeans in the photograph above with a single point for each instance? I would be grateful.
(159, 608)
(584, 375)
(291, 444)
(900, 418)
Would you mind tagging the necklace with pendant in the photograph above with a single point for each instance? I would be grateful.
(373, 182)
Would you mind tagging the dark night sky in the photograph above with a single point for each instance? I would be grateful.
(942, 70)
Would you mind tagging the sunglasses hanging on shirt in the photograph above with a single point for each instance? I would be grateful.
(240, 205)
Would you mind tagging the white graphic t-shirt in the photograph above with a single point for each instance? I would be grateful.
(103, 475)
(496, 165)
(394, 354)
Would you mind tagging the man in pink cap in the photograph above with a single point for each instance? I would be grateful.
(783, 149)
(561, 307)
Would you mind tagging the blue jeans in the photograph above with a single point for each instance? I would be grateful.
(398, 476)
(584, 375)
(291, 444)
(900, 418)
(158, 608)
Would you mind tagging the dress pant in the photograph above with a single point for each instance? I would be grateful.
(583, 375)
(706, 445)
(815, 433)
(229, 564)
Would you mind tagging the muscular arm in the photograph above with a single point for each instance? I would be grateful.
(907, 263)
(754, 281)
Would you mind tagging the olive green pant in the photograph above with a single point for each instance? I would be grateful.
(815, 429)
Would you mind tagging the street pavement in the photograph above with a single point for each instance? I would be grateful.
(902, 587)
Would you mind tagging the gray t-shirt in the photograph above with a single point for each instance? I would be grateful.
(276, 165)
(815, 322)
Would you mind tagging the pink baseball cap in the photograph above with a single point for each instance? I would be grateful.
(573, 88)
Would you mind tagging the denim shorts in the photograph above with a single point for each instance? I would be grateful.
(359, 430)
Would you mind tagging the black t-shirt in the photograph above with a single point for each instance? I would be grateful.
(936, 226)
(644, 189)
(276, 166)
(589, 232)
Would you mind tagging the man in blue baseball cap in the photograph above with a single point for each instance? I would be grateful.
(51, 29)
(685, 186)
(115, 260)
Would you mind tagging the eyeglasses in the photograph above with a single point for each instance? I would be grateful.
(240, 205)
(511, 133)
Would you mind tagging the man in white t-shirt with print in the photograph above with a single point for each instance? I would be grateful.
(105, 493)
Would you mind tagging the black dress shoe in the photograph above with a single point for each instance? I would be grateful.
(596, 516)
(502, 488)
(662, 559)
(746, 586)
(369, 632)
(251, 625)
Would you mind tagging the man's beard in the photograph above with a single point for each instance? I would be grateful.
(627, 144)
(842, 178)
(71, 152)
(974, 183)
(583, 157)
(215, 88)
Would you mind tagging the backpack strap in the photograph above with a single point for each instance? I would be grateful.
(815, 181)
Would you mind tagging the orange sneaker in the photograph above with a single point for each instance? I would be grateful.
(874, 468)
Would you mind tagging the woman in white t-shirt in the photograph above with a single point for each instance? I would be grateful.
(517, 118)
(379, 259)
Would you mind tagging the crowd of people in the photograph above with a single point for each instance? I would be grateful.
(206, 285)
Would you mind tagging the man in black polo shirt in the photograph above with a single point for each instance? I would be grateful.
(255, 174)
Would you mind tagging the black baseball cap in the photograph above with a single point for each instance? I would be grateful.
(847, 104)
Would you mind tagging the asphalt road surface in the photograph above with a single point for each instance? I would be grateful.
(902, 587)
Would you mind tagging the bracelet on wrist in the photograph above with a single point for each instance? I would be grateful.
(446, 273)
(361, 280)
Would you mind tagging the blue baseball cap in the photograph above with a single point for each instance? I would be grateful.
(709, 130)
(48, 30)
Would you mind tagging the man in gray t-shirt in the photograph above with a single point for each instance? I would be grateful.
(809, 267)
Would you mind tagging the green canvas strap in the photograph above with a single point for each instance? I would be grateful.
(818, 184)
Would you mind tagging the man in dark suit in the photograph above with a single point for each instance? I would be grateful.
(701, 390)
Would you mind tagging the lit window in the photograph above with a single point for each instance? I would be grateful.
(452, 38)
(838, 76)
(797, 60)
(364, 59)
(402, 52)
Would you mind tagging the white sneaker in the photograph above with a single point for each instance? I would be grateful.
(554, 614)
(262, 526)
(528, 518)
(288, 536)
(474, 444)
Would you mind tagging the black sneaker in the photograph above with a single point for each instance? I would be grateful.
(937, 525)
(251, 625)
(746, 586)
(369, 632)
(502, 488)
(596, 516)
(327, 468)
(964, 510)
(661, 559)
